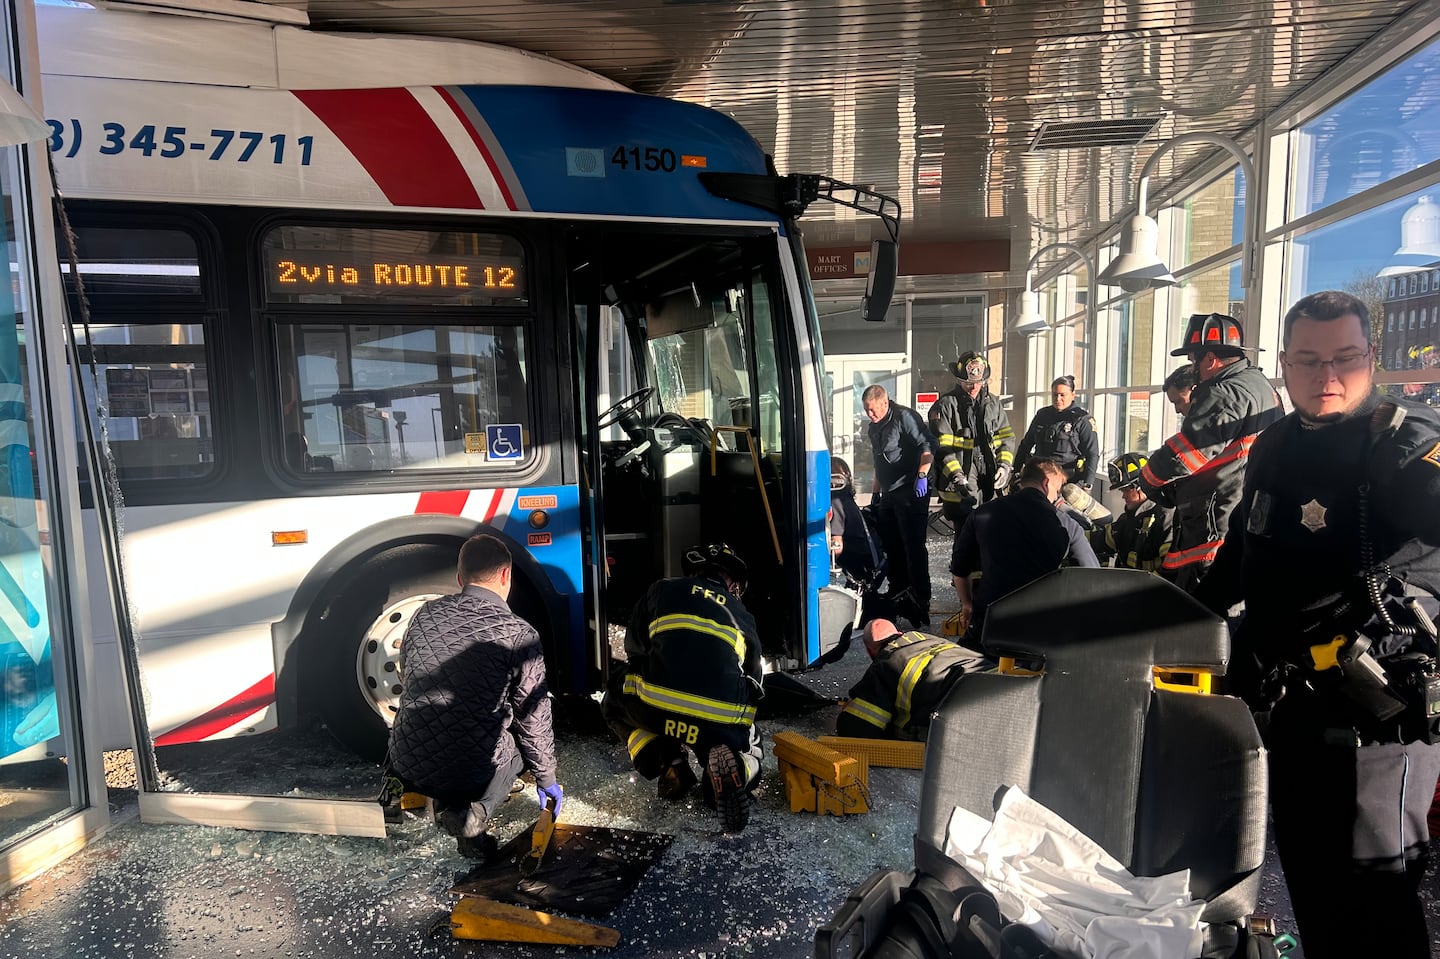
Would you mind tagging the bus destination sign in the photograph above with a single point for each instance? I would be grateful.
(290, 273)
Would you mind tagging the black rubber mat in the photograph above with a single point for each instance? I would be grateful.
(587, 871)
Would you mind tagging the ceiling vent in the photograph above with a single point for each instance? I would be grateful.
(1085, 134)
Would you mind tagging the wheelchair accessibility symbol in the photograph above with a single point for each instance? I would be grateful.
(502, 442)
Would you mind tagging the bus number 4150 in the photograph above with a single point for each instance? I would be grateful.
(646, 159)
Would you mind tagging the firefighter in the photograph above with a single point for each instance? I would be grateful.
(1139, 537)
(1335, 549)
(909, 675)
(692, 681)
(1065, 433)
(1199, 470)
(976, 442)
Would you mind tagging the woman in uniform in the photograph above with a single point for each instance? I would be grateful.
(1065, 433)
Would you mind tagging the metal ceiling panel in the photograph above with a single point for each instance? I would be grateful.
(937, 102)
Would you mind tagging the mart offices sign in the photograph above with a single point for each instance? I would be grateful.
(916, 259)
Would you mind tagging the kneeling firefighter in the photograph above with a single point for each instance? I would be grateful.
(692, 682)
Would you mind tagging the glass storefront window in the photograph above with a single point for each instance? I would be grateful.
(40, 769)
(842, 330)
(941, 331)
(1386, 128)
(1349, 255)
(1208, 221)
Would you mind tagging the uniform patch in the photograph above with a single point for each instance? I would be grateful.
(1433, 457)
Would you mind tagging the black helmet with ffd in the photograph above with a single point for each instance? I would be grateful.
(1124, 470)
(716, 557)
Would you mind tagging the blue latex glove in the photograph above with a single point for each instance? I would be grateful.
(922, 488)
(551, 796)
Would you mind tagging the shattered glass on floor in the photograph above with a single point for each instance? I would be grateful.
(191, 892)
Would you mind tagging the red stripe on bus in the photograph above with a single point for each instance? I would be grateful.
(450, 502)
(494, 506)
(398, 144)
(224, 716)
(480, 145)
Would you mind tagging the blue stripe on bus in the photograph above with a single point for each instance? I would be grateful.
(817, 545)
(577, 171)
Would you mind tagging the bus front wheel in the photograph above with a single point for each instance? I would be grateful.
(355, 677)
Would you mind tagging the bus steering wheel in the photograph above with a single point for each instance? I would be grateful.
(626, 404)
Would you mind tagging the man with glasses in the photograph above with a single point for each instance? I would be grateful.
(1199, 470)
(1335, 549)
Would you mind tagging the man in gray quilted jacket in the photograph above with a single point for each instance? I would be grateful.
(474, 705)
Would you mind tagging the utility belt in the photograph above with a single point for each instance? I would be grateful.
(1396, 698)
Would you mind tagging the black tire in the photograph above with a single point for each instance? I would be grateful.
(333, 682)
(349, 659)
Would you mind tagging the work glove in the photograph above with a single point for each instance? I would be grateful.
(552, 793)
(1002, 476)
(922, 488)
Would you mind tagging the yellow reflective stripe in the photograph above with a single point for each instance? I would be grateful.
(869, 712)
(699, 624)
(908, 680)
(1007, 457)
(1004, 433)
(951, 465)
(947, 439)
(688, 704)
(638, 740)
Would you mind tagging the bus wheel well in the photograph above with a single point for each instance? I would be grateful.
(348, 650)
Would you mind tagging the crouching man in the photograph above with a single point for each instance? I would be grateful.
(475, 706)
(691, 682)
(910, 675)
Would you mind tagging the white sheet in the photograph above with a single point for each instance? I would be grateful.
(1047, 874)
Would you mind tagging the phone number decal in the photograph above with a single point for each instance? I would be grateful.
(240, 146)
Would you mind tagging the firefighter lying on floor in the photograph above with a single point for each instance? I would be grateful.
(909, 676)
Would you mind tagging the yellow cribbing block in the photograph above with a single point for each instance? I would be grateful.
(818, 779)
(1007, 666)
(476, 918)
(412, 801)
(894, 754)
(1184, 680)
(951, 626)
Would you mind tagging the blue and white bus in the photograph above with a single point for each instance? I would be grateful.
(351, 300)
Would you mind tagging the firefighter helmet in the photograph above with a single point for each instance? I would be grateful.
(972, 367)
(715, 556)
(1212, 333)
(1124, 470)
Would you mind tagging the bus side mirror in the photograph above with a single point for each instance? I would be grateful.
(880, 284)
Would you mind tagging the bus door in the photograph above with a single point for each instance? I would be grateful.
(688, 416)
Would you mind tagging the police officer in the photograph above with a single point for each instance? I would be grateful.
(693, 680)
(1065, 433)
(909, 675)
(1015, 539)
(1199, 470)
(976, 442)
(903, 452)
(1335, 549)
(1139, 537)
